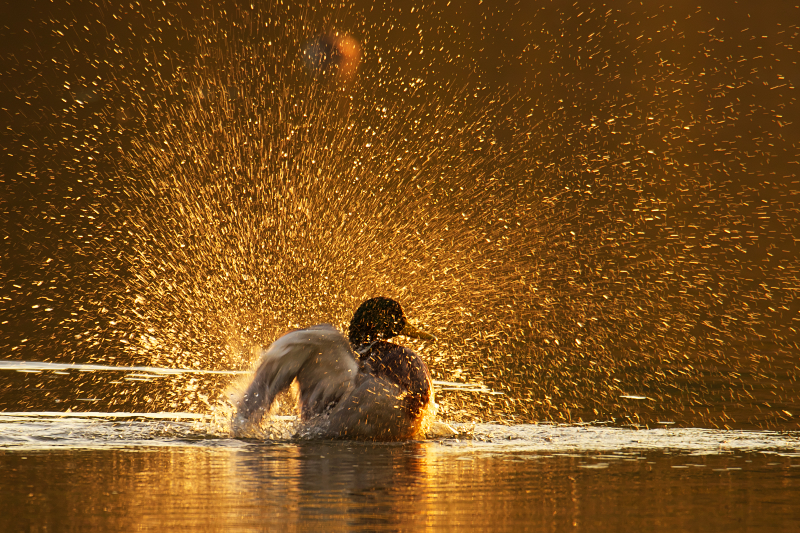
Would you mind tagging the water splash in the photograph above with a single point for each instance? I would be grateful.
(600, 226)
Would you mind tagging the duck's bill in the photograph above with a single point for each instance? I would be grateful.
(416, 333)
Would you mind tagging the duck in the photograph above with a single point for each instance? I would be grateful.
(360, 387)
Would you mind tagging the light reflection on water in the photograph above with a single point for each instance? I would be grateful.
(104, 473)
(39, 366)
(45, 387)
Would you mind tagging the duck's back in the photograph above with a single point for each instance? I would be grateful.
(392, 398)
(403, 367)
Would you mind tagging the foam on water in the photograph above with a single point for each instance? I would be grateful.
(96, 430)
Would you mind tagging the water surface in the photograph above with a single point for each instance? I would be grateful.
(179, 472)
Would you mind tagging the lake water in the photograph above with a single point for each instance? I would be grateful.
(166, 473)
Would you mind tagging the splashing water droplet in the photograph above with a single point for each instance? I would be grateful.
(601, 214)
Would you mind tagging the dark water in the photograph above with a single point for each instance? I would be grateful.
(82, 474)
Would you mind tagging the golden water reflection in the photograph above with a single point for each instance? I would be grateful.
(415, 486)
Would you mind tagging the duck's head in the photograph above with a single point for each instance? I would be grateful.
(381, 319)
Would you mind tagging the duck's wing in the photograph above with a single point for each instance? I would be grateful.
(321, 360)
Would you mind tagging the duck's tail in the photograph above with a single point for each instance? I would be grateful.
(321, 360)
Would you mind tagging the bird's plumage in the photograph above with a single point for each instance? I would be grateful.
(367, 389)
